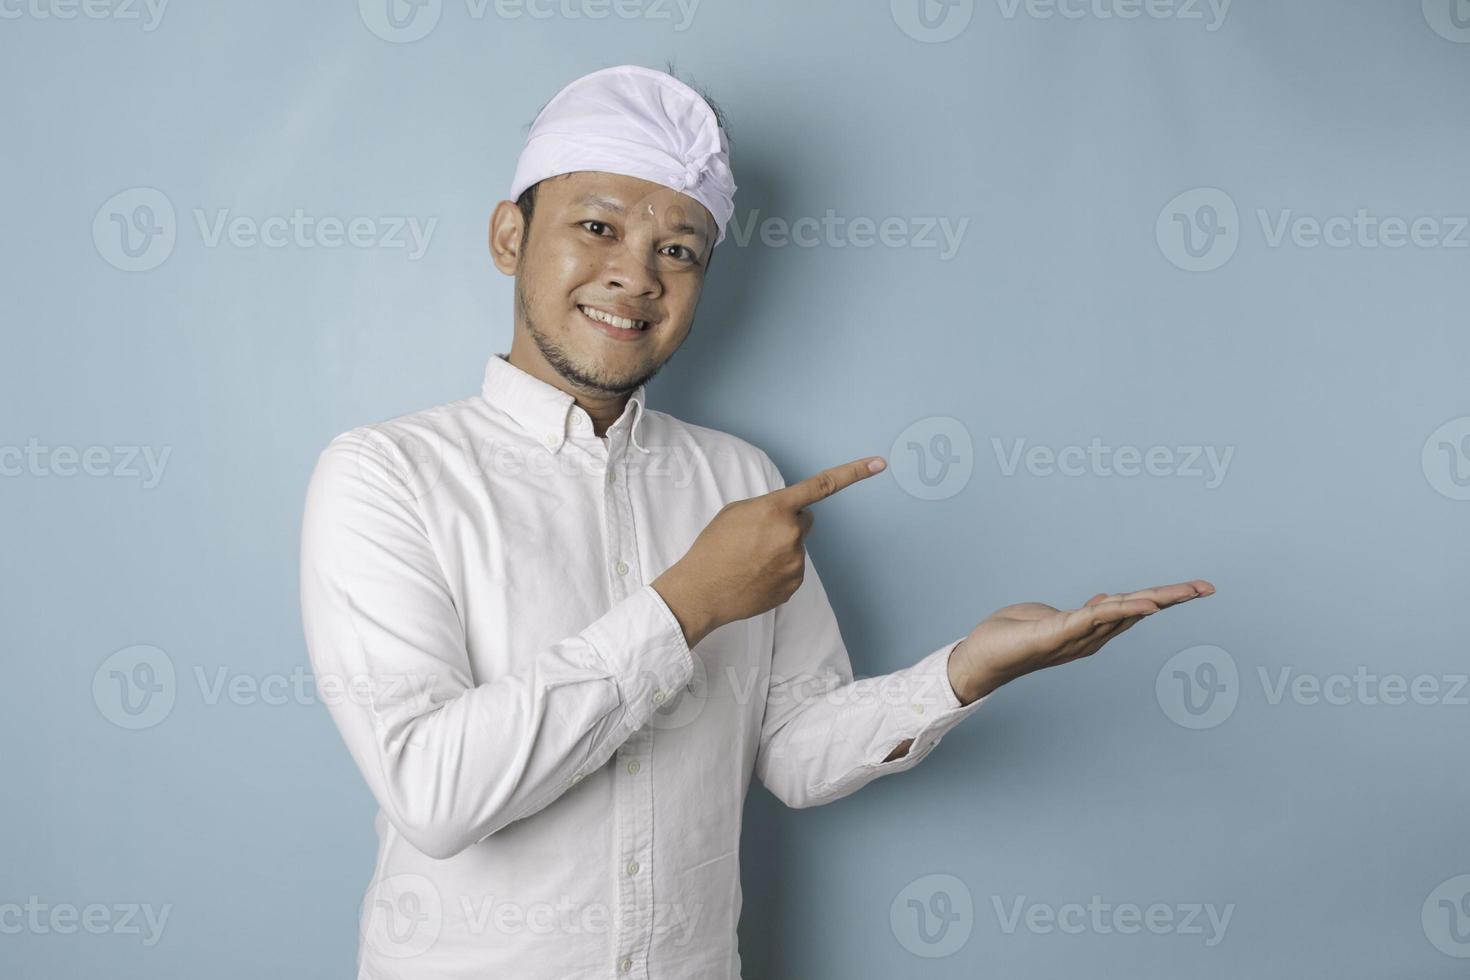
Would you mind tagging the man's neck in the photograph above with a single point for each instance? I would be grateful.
(604, 409)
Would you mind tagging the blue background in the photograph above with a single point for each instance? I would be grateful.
(1063, 316)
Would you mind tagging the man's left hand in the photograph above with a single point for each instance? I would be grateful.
(1031, 636)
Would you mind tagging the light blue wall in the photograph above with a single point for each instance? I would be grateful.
(1070, 310)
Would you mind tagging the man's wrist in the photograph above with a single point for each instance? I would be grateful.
(695, 623)
(968, 684)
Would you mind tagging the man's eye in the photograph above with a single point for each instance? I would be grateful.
(683, 252)
(593, 226)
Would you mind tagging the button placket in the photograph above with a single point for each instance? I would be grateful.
(635, 838)
(633, 790)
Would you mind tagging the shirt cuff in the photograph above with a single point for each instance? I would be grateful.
(642, 645)
(926, 707)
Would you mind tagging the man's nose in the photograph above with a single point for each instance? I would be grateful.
(631, 270)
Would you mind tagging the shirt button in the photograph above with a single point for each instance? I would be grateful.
(576, 420)
(549, 440)
(633, 767)
(626, 965)
(621, 568)
(632, 867)
(658, 697)
(612, 477)
(918, 709)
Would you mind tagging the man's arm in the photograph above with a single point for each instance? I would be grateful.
(451, 762)
(824, 735)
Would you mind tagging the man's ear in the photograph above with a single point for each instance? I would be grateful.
(507, 228)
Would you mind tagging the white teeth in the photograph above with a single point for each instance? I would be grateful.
(617, 321)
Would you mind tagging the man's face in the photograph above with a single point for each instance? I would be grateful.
(611, 243)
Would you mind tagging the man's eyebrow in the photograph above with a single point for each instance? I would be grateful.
(598, 201)
(608, 204)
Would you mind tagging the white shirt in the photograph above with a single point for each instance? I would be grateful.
(560, 779)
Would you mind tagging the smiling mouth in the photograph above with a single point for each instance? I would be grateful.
(620, 322)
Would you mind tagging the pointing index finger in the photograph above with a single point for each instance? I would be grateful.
(820, 486)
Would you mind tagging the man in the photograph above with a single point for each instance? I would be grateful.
(566, 628)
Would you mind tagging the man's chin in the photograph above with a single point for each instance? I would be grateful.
(594, 375)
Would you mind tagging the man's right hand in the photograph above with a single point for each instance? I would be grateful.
(752, 556)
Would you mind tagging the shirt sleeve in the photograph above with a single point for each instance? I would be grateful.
(450, 761)
(824, 734)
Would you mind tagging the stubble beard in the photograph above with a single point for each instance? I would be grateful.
(589, 381)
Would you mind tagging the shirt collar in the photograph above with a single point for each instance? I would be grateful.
(543, 409)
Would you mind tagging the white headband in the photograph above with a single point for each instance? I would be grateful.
(637, 122)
